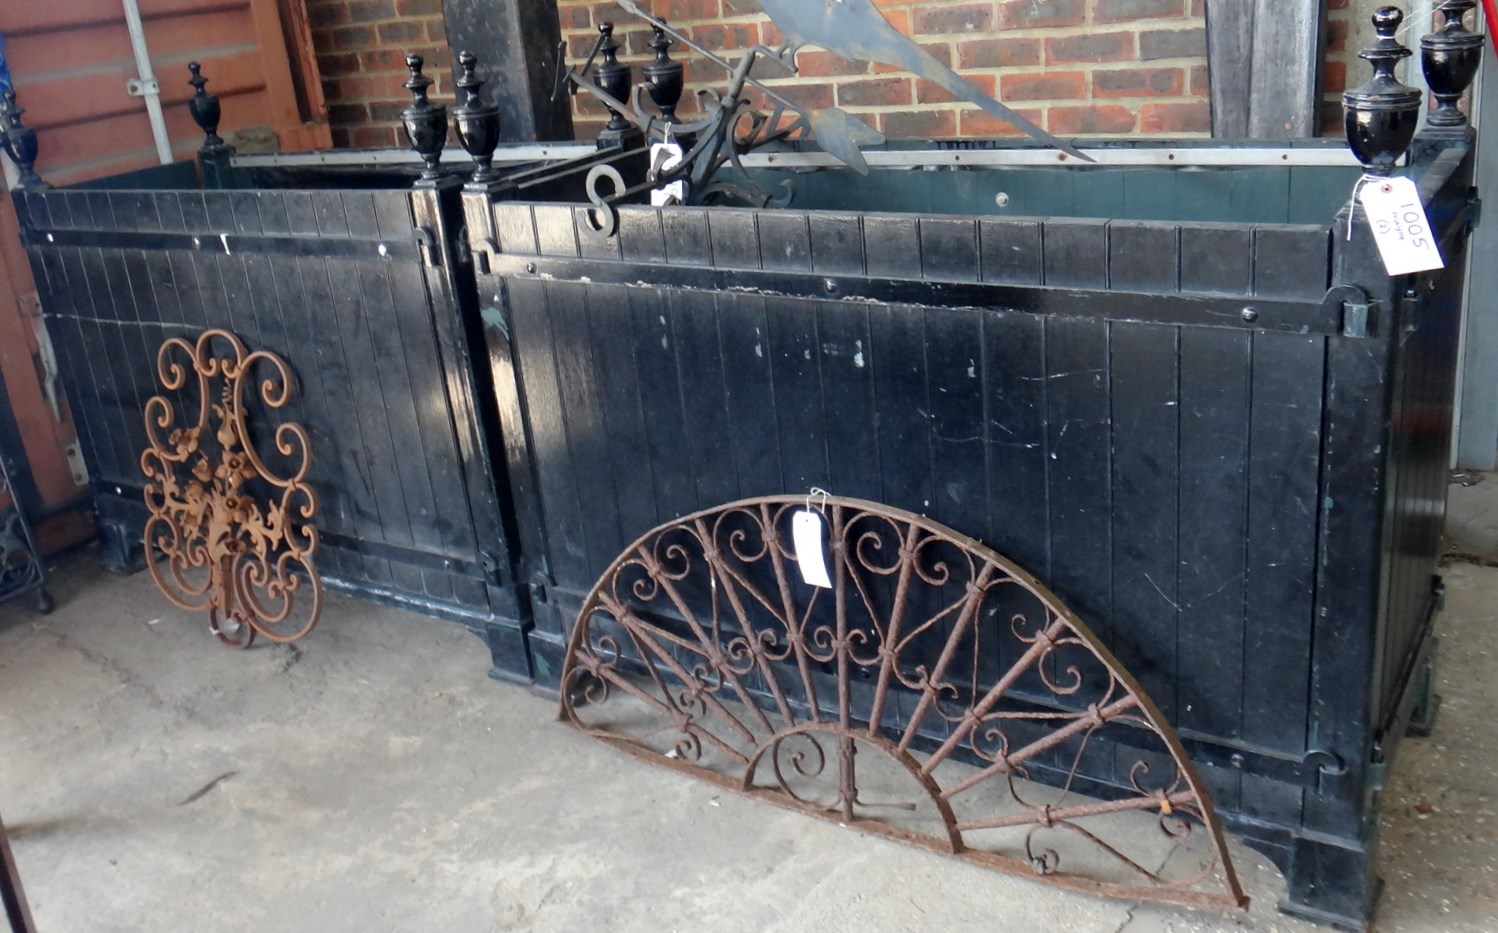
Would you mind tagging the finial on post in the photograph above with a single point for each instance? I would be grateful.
(19, 141)
(1382, 114)
(1450, 57)
(205, 111)
(478, 124)
(666, 78)
(613, 77)
(425, 123)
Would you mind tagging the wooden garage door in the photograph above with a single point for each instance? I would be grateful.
(70, 61)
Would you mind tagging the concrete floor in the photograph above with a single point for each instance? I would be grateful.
(373, 780)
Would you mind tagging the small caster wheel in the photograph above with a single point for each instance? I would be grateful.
(44, 602)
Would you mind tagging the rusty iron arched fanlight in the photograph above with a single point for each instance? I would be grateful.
(934, 693)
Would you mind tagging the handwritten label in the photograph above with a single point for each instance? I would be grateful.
(811, 556)
(663, 158)
(1400, 227)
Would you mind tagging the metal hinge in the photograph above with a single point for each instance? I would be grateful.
(493, 566)
(426, 244)
(1410, 307)
(1359, 311)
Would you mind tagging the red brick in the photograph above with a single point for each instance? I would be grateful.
(1178, 43)
(1093, 47)
(371, 11)
(874, 92)
(970, 18)
(1201, 84)
(1195, 117)
(1138, 82)
(979, 124)
(1100, 118)
(1052, 85)
(1334, 78)
(997, 53)
(929, 92)
(814, 63)
(401, 31)
(1036, 14)
(919, 124)
(1123, 11)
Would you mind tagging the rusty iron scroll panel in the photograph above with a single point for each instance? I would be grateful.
(935, 693)
(228, 531)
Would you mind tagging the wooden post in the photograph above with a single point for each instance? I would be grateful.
(1264, 59)
(516, 43)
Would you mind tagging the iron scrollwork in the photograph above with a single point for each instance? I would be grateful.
(227, 533)
(936, 694)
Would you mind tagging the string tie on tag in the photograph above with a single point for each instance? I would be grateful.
(1356, 190)
(816, 492)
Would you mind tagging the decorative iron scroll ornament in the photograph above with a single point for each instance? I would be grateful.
(227, 533)
(936, 694)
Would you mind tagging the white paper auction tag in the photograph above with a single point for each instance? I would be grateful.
(811, 556)
(663, 158)
(1400, 227)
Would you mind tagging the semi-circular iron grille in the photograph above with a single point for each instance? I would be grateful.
(936, 693)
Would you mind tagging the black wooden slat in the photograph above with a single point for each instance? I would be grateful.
(949, 250)
(1017, 523)
(1143, 256)
(785, 242)
(435, 390)
(1011, 251)
(898, 339)
(704, 404)
(640, 237)
(1291, 261)
(582, 424)
(749, 394)
(332, 433)
(1146, 509)
(795, 353)
(554, 230)
(591, 243)
(1285, 450)
(848, 375)
(734, 239)
(1216, 259)
(1216, 367)
(836, 244)
(611, 333)
(892, 245)
(388, 358)
(687, 240)
(350, 392)
(1080, 469)
(535, 308)
(660, 396)
(1076, 253)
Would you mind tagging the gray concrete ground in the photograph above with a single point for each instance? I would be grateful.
(374, 780)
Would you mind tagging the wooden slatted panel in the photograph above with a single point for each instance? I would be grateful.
(70, 62)
(1164, 480)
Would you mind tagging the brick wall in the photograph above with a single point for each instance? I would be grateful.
(1075, 67)
(361, 52)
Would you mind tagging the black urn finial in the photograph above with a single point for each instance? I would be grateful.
(614, 78)
(478, 123)
(19, 141)
(425, 122)
(666, 78)
(1382, 114)
(1450, 56)
(205, 110)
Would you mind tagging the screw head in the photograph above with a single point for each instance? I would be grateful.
(1250, 315)
(530, 268)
